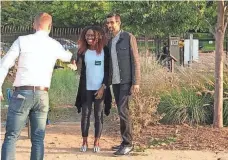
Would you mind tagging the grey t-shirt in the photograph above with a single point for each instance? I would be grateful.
(115, 65)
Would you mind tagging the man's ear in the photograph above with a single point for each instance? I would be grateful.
(120, 23)
(49, 26)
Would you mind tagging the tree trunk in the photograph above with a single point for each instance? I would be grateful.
(218, 97)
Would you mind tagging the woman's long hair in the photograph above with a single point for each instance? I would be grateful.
(99, 39)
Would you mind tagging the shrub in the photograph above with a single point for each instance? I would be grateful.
(143, 106)
(185, 106)
(225, 112)
(143, 111)
(225, 102)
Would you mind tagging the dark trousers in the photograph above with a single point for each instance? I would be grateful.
(121, 93)
(98, 114)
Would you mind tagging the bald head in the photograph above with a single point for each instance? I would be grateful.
(43, 21)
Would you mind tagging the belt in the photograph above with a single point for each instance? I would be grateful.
(33, 88)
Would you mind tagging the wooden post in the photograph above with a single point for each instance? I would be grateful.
(172, 65)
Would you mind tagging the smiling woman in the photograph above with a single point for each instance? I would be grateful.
(92, 36)
(92, 62)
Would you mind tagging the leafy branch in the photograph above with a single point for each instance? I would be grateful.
(203, 17)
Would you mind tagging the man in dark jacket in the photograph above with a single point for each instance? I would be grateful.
(125, 77)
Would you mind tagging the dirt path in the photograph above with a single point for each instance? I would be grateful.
(63, 140)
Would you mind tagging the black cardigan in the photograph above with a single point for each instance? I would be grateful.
(81, 95)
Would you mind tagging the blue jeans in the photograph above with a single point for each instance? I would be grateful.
(24, 103)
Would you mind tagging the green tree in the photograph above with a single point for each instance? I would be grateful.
(78, 14)
(222, 20)
(21, 13)
(214, 18)
(157, 17)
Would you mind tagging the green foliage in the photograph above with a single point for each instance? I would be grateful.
(79, 13)
(21, 13)
(159, 142)
(193, 103)
(208, 47)
(185, 106)
(150, 18)
(65, 13)
(225, 112)
(138, 148)
(207, 15)
(62, 91)
(157, 17)
(63, 88)
(143, 45)
(6, 84)
(225, 102)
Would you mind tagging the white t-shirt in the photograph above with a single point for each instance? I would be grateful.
(94, 69)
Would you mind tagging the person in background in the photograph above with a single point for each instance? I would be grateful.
(93, 66)
(165, 51)
(30, 97)
(125, 77)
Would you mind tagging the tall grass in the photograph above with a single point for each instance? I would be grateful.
(143, 107)
(191, 99)
(225, 102)
(143, 110)
(185, 106)
(63, 87)
(225, 112)
(185, 96)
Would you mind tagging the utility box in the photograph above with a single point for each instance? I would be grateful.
(191, 50)
(174, 47)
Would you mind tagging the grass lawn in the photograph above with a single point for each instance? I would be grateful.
(62, 91)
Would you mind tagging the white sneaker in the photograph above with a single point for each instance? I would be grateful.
(96, 149)
(83, 148)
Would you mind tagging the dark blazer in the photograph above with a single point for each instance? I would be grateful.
(128, 59)
(81, 95)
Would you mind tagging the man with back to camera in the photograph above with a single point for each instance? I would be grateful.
(125, 77)
(37, 56)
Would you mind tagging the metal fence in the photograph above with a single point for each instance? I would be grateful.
(11, 33)
(147, 45)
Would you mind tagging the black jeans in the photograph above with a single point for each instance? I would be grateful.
(121, 93)
(98, 114)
